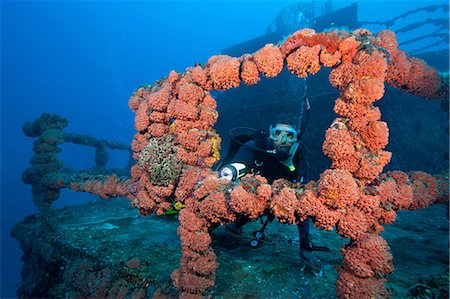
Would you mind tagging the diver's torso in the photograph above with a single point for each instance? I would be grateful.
(267, 165)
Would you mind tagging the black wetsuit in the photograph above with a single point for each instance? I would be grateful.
(270, 167)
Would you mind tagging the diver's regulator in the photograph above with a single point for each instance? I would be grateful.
(233, 171)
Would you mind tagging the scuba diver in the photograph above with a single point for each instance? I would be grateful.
(279, 154)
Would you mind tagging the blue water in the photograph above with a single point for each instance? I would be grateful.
(83, 60)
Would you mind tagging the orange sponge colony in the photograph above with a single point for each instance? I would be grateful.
(196, 274)
(250, 73)
(269, 60)
(410, 74)
(338, 188)
(368, 257)
(175, 146)
(365, 264)
(224, 72)
(304, 61)
(361, 82)
(349, 286)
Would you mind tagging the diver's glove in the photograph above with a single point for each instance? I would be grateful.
(282, 153)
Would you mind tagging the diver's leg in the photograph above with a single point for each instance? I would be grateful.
(236, 226)
(306, 246)
(213, 227)
(303, 230)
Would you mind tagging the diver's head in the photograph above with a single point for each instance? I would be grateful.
(284, 130)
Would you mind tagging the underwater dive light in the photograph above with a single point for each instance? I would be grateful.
(233, 171)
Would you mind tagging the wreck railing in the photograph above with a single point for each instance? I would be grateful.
(47, 175)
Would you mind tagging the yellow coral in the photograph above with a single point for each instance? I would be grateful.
(215, 149)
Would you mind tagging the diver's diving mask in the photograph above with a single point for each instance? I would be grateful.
(283, 133)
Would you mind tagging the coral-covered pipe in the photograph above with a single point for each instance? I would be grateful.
(174, 120)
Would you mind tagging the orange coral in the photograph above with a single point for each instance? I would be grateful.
(423, 79)
(348, 48)
(368, 257)
(209, 102)
(264, 191)
(203, 265)
(297, 39)
(191, 283)
(200, 76)
(173, 77)
(187, 157)
(304, 61)
(371, 65)
(308, 202)
(338, 145)
(247, 203)
(354, 110)
(224, 71)
(410, 74)
(325, 218)
(368, 203)
(158, 100)
(135, 171)
(398, 194)
(191, 139)
(337, 188)
(189, 179)
(353, 224)
(179, 109)
(109, 186)
(179, 126)
(329, 59)
(141, 120)
(425, 190)
(197, 241)
(135, 100)
(191, 222)
(190, 93)
(376, 135)
(152, 197)
(371, 165)
(157, 129)
(387, 40)
(348, 196)
(329, 41)
(209, 185)
(349, 286)
(269, 60)
(144, 201)
(159, 117)
(364, 66)
(364, 91)
(216, 210)
(204, 149)
(284, 206)
(343, 74)
(198, 262)
(207, 118)
(139, 142)
(250, 73)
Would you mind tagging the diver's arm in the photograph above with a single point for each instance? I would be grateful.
(241, 163)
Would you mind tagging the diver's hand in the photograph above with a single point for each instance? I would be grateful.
(282, 154)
